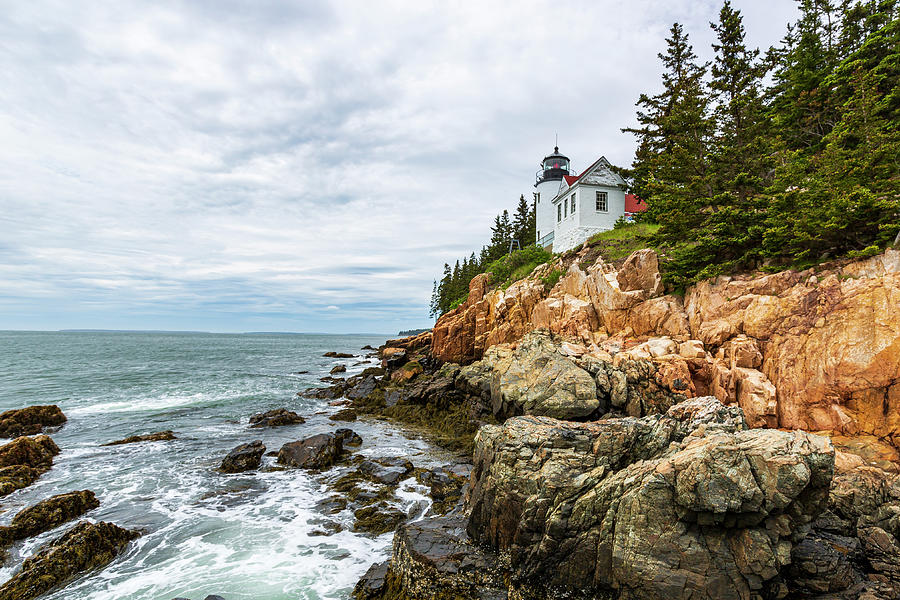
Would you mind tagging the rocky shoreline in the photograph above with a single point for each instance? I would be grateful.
(649, 466)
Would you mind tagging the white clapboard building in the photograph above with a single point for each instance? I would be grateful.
(571, 208)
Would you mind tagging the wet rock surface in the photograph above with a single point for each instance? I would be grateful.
(23, 460)
(84, 547)
(348, 437)
(159, 436)
(276, 418)
(245, 457)
(433, 559)
(316, 452)
(30, 420)
(50, 513)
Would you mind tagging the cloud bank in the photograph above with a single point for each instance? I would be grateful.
(233, 166)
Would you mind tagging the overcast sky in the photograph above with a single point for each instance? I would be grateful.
(296, 166)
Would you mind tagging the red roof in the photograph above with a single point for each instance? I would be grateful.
(570, 179)
(633, 204)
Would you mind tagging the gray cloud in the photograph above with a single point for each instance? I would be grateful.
(221, 164)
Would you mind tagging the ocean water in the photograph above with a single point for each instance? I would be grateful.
(243, 536)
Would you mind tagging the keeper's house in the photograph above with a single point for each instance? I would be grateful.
(571, 208)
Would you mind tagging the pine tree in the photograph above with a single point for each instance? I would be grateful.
(522, 224)
(670, 167)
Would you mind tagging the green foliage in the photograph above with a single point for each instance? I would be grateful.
(552, 278)
(517, 265)
(741, 177)
(620, 242)
(453, 287)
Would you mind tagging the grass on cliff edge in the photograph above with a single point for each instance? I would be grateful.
(619, 243)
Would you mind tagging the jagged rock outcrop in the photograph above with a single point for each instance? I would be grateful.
(30, 420)
(814, 350)
(689, 504)
(85, 547)
(543, 375)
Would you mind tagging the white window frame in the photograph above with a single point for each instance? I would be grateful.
(565, 209)
(604, 196)
(558, 213)
(573, 204)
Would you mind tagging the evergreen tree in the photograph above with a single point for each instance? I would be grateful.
(670, 167)
(523, 223)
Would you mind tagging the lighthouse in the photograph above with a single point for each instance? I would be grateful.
(553, 168)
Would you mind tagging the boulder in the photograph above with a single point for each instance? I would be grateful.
(338, 369)
(432, 558)
(276, 418)
(534, 378)
(316, 452)
(16, 477)
(347, 414)
(36, 452)
(391, 358)
(363, 388)
(337, 355)
(386, 471)
(640, 272)
(48, 514)
(85, 547)
(30, 420)
(689, 504)
(243, 458)
(377, 519)
(159, 436)
(348, 437)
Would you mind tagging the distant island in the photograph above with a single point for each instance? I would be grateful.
(410, 332)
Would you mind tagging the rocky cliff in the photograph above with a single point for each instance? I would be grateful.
(817, 350)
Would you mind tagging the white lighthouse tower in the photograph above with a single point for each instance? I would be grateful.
(553, 168)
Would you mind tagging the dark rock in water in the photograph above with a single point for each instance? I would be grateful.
(337, 355)
(363, 388)
(243, 458)
(432, 558)
(276, 418)
(36, 452)
(368, 347)
(338, 369)
(85, 547)
(386, 471)
(214, 597)
(16, 477)
(348, 436)
(378, 519)
(30, 420)
(300, 372)
(331, 505)
(445, 487)
(347, 414)
(316, 452)
(51, 513)
(326, 393)
(370, 585)
(159, 436)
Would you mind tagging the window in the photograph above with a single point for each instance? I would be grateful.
(565, 208)
(537, 197)
(573, 204)
(559, 212)
(602, 205)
